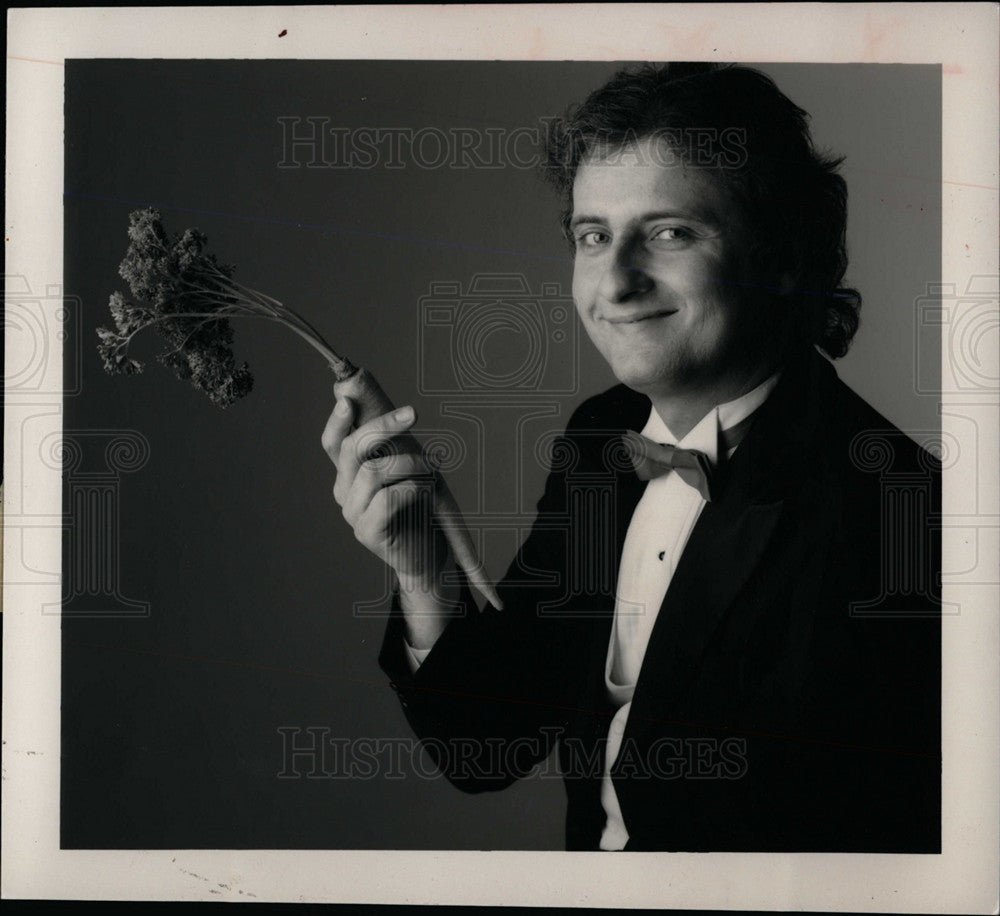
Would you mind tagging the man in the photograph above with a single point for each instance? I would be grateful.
(750, 683)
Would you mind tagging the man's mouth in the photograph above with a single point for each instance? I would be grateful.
(639, 317)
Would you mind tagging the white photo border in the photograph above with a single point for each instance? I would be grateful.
(962, 38)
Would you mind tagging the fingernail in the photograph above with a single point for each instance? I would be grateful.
(404, 414)
(342, 408)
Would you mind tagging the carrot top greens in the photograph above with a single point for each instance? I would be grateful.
(189, 297)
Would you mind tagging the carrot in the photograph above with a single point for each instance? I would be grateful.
(360, 386)
(189, 298)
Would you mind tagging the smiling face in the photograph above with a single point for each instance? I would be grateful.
(659, 279)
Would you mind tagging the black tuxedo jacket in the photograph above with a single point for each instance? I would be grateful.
(789, 698)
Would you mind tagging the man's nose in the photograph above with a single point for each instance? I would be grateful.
(625, 274)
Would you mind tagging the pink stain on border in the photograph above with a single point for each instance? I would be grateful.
(35, 60)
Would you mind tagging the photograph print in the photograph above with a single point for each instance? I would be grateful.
(502, 455)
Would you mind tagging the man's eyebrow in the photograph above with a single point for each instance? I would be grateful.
(705, 218)
(584, 218)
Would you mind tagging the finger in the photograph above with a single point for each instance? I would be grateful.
(338, 425)
(397, 507)
(376, 473)
(366, 439)
(372, 437)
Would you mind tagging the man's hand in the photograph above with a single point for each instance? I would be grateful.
(386, 489)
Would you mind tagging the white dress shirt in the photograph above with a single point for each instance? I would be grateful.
(657, 534)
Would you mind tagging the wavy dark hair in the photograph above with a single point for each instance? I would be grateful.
(734, 122)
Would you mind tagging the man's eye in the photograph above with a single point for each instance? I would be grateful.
(591, 238)
(673, 234)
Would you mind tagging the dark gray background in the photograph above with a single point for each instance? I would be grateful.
(229, 530)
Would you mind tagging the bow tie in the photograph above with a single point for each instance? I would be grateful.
(651, 459)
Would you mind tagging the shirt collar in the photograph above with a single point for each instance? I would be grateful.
(704, 437)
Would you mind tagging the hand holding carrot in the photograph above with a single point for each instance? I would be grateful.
(398, 505)
(386, 490)
(372, 404)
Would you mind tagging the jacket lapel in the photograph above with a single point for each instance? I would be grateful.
(726, 545)
(627, 410)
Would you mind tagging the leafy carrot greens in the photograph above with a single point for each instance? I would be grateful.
(189, 298)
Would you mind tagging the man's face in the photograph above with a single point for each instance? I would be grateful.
(657, 274)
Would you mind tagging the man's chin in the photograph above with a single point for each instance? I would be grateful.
(645, 380)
